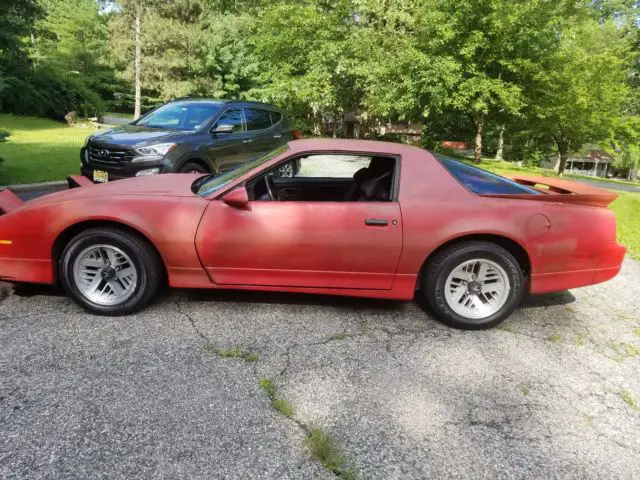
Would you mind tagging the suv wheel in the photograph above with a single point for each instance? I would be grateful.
(193, 167)
(288, 170)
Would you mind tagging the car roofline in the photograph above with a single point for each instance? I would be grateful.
(241, 103)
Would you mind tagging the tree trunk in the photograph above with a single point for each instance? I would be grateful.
(563, 151)
(500, 143)
(479, 124)
(137, 62)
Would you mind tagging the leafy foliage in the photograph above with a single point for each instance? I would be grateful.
(547, 74)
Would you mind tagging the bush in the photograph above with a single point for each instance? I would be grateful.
(50, 94)
(4, 134)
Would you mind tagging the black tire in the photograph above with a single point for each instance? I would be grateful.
(193, 167)
(288, 169)
(445, 261)
(144, 257)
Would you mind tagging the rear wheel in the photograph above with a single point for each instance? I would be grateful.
(193, 167)
(473, 285)
(109, 271)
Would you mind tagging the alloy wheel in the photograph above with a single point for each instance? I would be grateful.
(105, 275)
(477, 289)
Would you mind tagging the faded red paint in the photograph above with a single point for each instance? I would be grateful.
(320, 247)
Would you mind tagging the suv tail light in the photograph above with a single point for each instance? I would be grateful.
(297, 134)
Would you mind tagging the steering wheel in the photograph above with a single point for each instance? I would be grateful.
(268, 181)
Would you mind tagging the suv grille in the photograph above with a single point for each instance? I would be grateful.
(108, 156)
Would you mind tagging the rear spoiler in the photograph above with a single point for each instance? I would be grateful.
(9, 201)
(560, 191)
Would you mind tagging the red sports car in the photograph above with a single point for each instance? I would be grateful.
(359, 218)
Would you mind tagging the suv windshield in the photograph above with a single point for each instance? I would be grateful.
(180, 116)
(212, 183)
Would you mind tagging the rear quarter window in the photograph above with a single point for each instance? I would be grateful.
(275, 117)
(482, 182)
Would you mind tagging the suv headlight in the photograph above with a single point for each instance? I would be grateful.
(161, 149)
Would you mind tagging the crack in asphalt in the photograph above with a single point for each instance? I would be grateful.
(304, 427)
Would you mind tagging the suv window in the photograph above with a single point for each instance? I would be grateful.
(275, 117)
(233, 117)
(257, 119)
(179, 116)
(196, 117)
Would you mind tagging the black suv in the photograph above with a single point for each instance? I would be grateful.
(191, 135)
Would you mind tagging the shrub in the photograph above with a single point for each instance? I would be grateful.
(50, 94)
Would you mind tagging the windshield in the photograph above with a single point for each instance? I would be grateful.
(216, 183)
(180, 116)
(480, 181)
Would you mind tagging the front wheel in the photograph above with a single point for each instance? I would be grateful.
(473, 285)
(288, 170)
(109, 271)
(193, 167)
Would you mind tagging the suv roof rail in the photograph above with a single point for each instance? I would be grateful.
(223, 100)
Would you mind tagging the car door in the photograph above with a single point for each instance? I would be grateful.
(264, 137)
(228, 150)
(327, 244)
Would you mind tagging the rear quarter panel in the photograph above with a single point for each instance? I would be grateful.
(437, 209)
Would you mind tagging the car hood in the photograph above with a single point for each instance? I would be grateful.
(133, 136)
(166, 185)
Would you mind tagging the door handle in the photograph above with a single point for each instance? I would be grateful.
(248, 140)
(376, 222)
(277, 135)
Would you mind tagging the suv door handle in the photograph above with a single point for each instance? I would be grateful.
(376, 222)
(248, 140)
(277, 135)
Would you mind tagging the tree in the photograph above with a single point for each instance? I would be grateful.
(473, 58)
(579, 94)
(72, 36)
(305, 64)
(126, 41)
(499, 45)
(182, 48)
(17, 20)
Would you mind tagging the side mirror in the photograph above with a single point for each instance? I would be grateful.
(237, 198)
(224, 128)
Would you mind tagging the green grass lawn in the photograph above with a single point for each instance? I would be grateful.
(627, 209)
(39, 150)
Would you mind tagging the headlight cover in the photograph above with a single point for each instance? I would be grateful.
(148, 171)
(160, 149)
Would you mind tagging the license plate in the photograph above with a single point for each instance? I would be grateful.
(100, 176)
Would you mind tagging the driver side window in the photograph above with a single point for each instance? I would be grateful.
(328, 178)
(233, 117)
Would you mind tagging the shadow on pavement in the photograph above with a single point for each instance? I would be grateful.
(204, 295)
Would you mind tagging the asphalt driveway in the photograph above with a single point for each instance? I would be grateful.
(552, 393)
